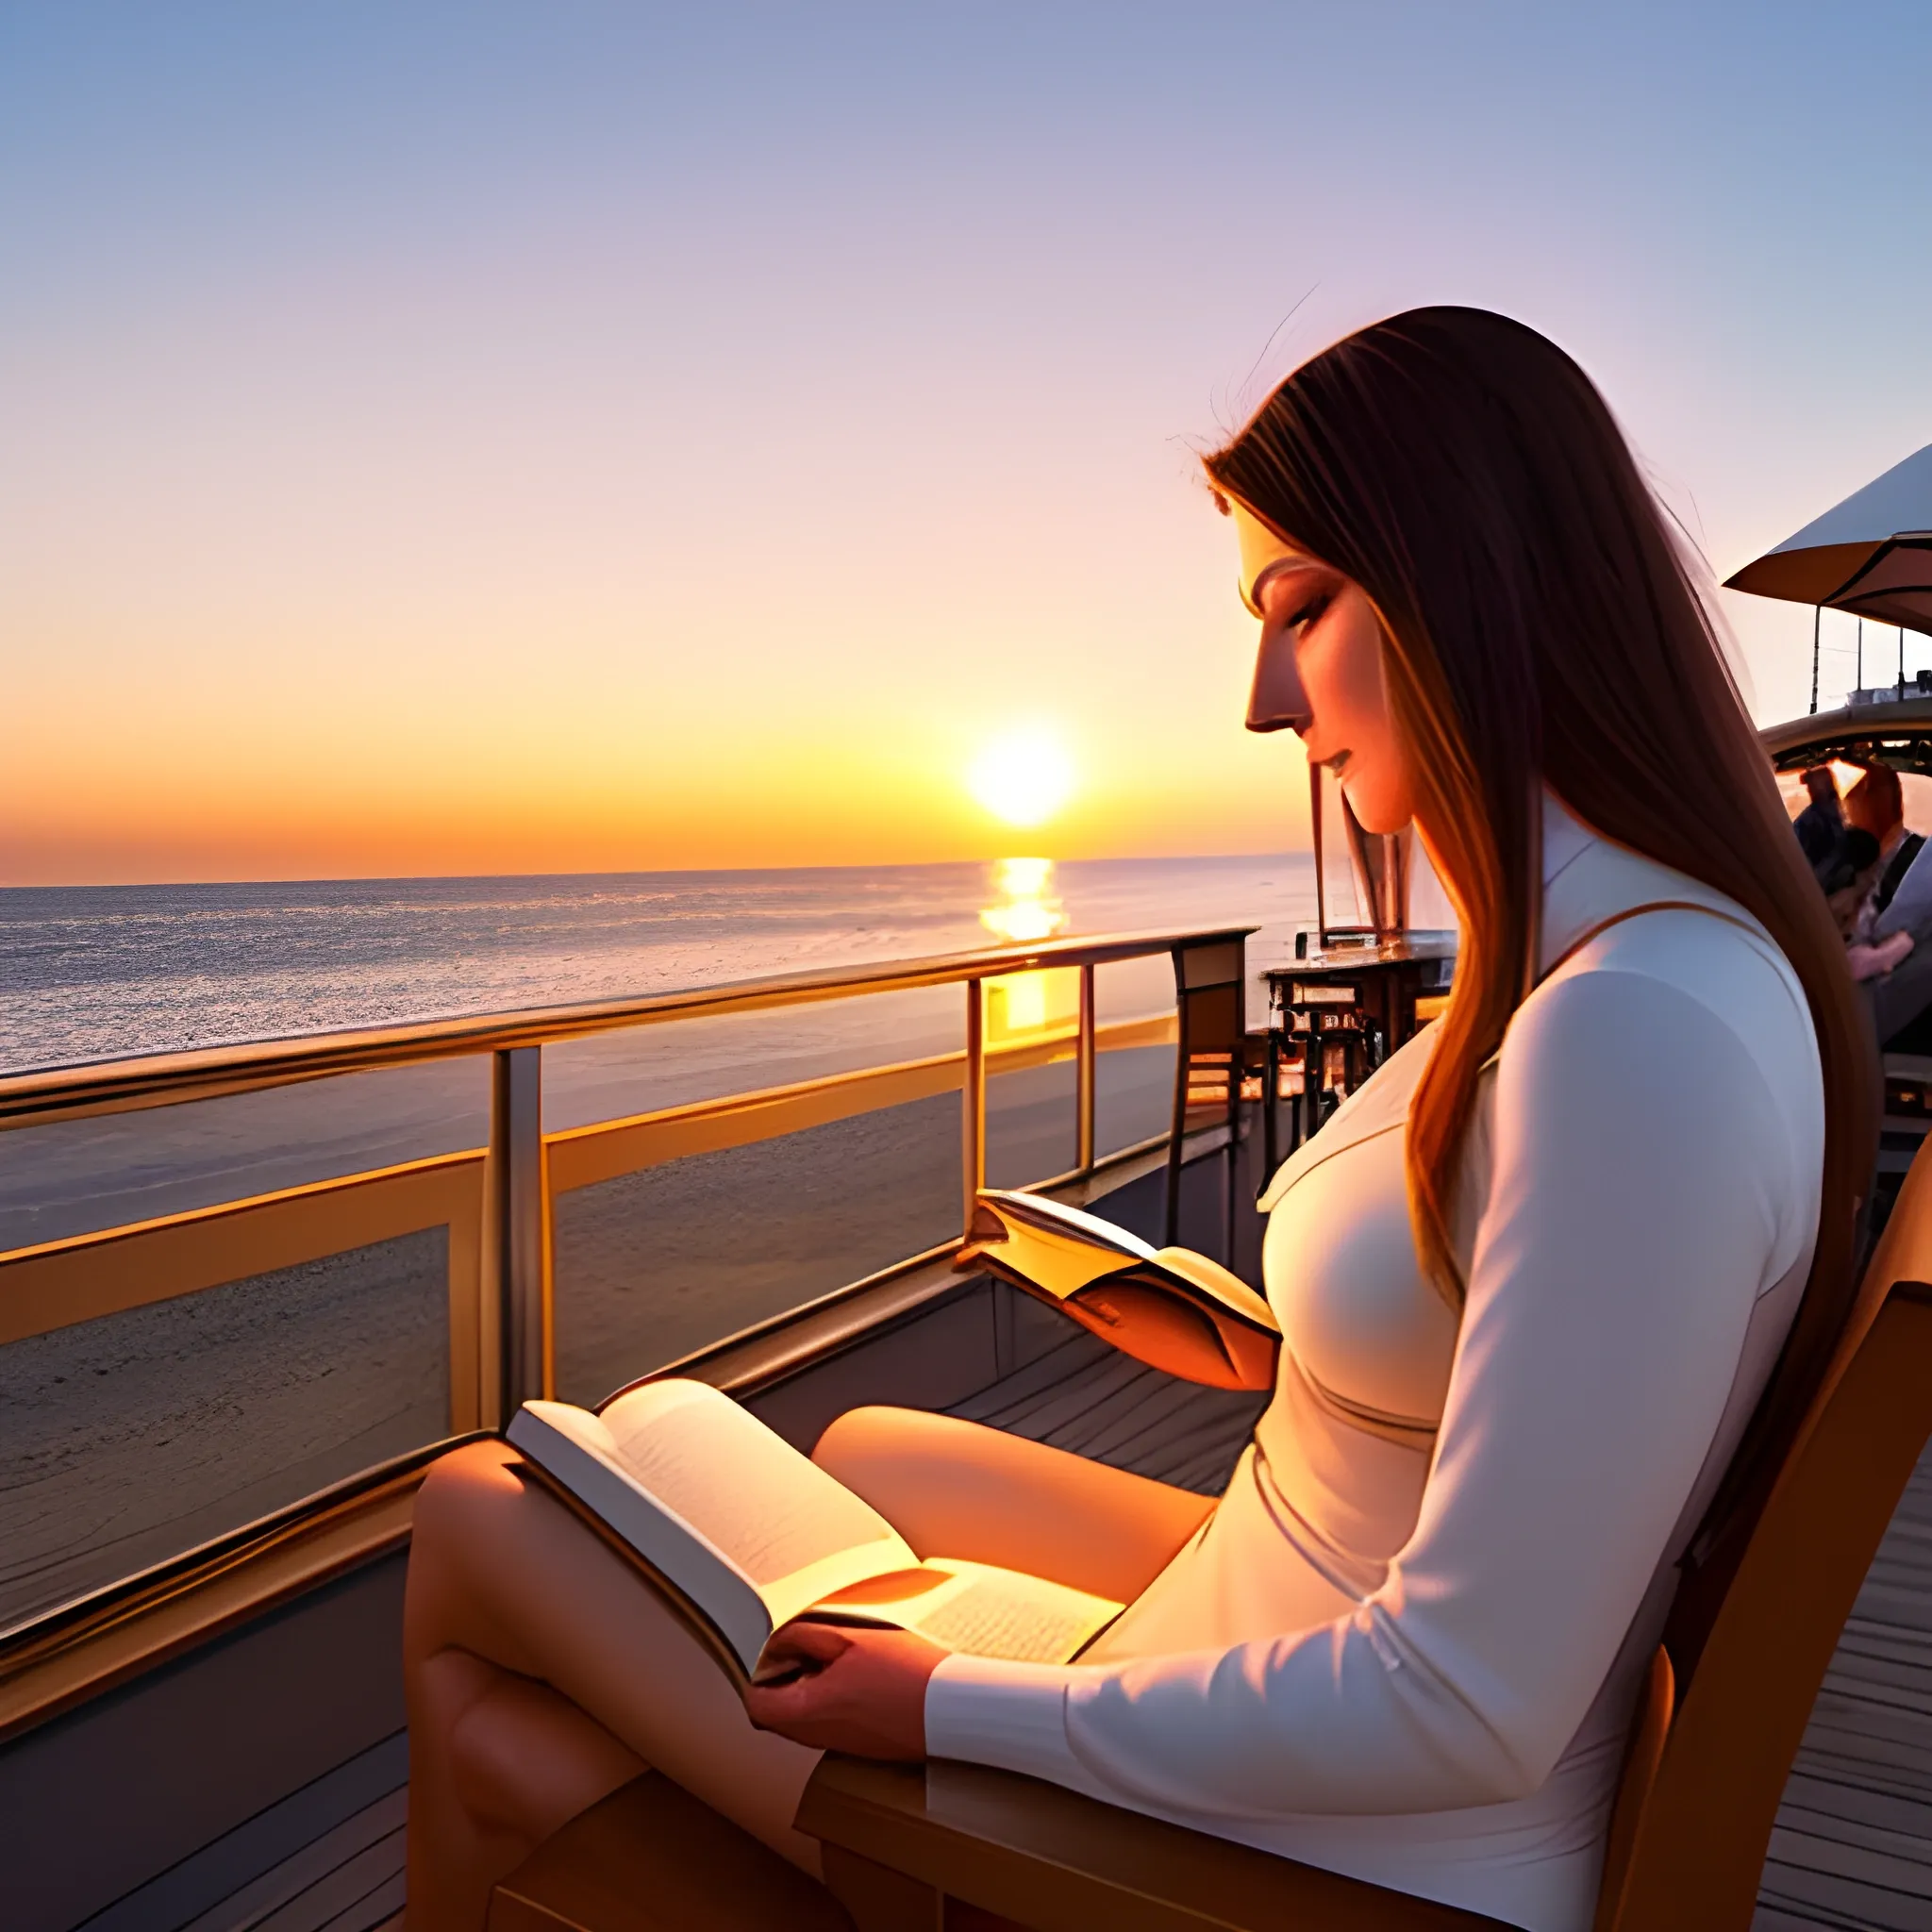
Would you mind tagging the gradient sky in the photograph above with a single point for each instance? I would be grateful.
(475, 437)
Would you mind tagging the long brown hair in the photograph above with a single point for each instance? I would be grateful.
(1542, 627)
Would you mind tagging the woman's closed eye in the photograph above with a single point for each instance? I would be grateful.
(1299, 594)
(1307, 614)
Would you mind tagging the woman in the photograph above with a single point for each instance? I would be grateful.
(1567, 1260)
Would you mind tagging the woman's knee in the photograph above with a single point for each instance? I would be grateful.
(462, 1533)
(474, 1481)
(959, 1488)
(865, 1439)
(897, 1452)
(908, 1464)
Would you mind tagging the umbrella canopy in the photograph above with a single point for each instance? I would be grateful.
(1872, 554)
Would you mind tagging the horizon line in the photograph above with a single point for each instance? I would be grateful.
(660, 871)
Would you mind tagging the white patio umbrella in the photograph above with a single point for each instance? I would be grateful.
(1872, 554)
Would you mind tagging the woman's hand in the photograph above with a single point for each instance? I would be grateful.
(861, 1690)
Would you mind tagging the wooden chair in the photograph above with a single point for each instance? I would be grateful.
(1209, 982)
(651, 1857)
(957, 1846)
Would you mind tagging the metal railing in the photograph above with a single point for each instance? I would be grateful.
(495, 1201)
(165, 1079)
(494, 1204)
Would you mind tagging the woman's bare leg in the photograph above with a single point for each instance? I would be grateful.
(959, 1488)
(542, 1673)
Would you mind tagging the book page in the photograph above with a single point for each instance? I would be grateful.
(772, 1511)
(979, 1609)
(573, 1449)
(1051, 1262)
(1037, 1211)
(1220, 1284)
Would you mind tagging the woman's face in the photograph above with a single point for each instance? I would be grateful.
(1321, 674)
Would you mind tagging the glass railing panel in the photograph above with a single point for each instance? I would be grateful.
(133, 1435)
(137, 1435)
(1032, 1129)
(1133, 1083)
(677, 1064)
(650, 1266)
(72, 1177)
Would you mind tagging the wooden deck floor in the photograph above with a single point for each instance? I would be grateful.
(328, 1858)
(1854, 1840)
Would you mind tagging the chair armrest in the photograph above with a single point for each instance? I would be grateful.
(1053, 1861)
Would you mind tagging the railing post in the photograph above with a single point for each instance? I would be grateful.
(1315, 834)
(514, 1223)
(1083, 1099)
(972, 1104)
(1177, 1129)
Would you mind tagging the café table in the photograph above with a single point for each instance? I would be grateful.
(1361, 998)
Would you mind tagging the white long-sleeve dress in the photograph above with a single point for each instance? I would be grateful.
(1408, 1642)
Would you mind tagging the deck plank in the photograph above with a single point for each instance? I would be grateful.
(337, 1845)
(1853, 1844)
(1085, 1396)
(356, 1895)
(260, 1903)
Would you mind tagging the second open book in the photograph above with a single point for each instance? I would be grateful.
(746, 1534)
(1170, 1306)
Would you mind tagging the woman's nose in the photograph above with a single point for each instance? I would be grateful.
(1279, 701)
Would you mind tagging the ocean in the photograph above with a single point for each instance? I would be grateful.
(98, 973)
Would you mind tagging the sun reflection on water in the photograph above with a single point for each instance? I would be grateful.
(1028, 909)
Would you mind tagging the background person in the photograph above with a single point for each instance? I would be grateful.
(1901, 997)
(1908, 905)
(1849, 884)
(1820, 826)
(1876, 805)
(1849, 891)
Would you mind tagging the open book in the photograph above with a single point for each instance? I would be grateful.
(746, 1534)
(1169, 1306)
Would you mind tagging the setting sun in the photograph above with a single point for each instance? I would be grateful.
(1023, 776)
